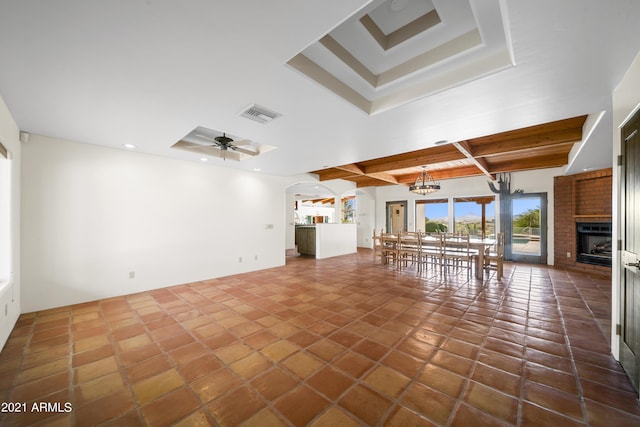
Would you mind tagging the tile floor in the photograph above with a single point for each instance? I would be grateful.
(336, 342)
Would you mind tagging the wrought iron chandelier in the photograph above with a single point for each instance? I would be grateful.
(425, 184)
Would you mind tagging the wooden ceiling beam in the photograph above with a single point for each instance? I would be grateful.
(329, 200)
(412, 159)
(469, 153)
(352, 172)
(367, 181)
(529, 163)
(440, 174)
(541, 129)
(458, 172)
(333, 173)
(351, 168)
(384, 177)
(481, 148)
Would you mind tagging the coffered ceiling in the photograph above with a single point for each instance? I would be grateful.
(536, 147)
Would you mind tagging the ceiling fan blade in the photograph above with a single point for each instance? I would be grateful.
(230, 155)
(187, 145)
(240, 142)
(245, 151)
(209, 150)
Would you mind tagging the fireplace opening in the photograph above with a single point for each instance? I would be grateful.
(594, 243)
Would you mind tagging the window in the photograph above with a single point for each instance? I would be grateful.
(349, 210)
(475, 216)
(432, 215)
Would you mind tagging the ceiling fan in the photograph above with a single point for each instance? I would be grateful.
(224, 143)
(205, 141)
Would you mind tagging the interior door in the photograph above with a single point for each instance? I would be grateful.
(630, 233)
(528, 236)
(396, 217)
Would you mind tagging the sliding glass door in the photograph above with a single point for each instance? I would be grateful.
(529, 228)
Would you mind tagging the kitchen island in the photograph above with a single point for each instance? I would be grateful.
(326, 240)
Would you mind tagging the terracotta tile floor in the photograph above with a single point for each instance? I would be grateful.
(336, 342)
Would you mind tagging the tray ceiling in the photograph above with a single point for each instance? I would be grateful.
(391, 53)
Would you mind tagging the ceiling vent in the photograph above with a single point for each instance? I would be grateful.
(259, 114)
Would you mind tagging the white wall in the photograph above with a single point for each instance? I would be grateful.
(335, 240)
(290, 223)
(625, 100)
(540, 181)
(10, 291)
(365, 216)
(93, 215)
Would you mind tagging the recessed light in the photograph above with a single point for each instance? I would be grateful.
(129, 146)
(256, 169)
(204, 159)
(442, 141)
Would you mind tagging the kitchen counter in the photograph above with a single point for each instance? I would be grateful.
(326, 240)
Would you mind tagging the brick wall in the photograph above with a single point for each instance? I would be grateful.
(584, 197)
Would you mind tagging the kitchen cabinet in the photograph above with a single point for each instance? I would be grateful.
(306, 239)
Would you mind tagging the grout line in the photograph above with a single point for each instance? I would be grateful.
(583, 405)
(523, 379)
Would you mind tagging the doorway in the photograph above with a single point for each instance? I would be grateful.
(527, 240)
(396, 217)
(630, 233)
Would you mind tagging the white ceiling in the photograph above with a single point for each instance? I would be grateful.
(147, 72)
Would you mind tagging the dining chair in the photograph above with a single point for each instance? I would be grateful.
(431, 249)
(494, 257)
(389, 247)
(377, 244)
(457, 253)
(408, 249)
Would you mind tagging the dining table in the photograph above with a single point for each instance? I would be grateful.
(481, 245)
(478, 244)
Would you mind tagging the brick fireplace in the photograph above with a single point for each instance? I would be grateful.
(582, 221)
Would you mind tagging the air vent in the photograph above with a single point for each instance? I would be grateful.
(259, 114)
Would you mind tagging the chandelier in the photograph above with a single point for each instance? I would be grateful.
(424, 184)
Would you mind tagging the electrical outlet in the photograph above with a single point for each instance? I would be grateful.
(239, 259)
(255, 257)
(132, 275)
(568, 254)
